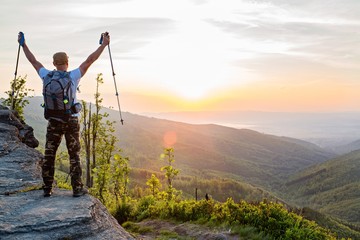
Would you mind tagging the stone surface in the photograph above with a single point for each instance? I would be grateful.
(26, 214)
(25, 133)
(19, 164)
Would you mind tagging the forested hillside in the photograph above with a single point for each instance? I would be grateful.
(333, 187)
(206, 151)
(242, 154)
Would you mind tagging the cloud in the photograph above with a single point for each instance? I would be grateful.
(127, 34)
(326, 33)
(206, 42)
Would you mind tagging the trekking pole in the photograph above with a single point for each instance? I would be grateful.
(21, 43)
(113, 73)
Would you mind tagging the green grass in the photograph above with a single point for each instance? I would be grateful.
(248, 232)
(134, 228)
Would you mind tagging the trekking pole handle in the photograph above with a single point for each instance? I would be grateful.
(102, 37)
(21, 39)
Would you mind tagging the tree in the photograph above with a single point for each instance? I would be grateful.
(154, 184)
(96, 120)
(105, 148)
(92, 124)
(17, 101)
(86, 136)
(120, 177)
(170, 171)
(107, 172)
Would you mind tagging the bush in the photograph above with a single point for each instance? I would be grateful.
(143, 207)
(122, 212)
(265, 220)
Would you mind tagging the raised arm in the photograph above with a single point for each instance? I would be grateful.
(36, 64)
(95, 55)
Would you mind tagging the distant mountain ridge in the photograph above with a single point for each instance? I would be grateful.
(326, 129)
(347, 148)
(251, 156)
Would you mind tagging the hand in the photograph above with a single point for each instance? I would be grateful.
(105, 38)
(21, 38)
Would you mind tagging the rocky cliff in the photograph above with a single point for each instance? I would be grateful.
(25, 213)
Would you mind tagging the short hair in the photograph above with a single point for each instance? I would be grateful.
(60, 58)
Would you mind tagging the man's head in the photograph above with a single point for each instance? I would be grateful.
(60, 60)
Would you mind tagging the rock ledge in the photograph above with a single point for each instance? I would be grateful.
(25, 213)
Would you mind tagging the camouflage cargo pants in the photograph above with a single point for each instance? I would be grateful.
(55, 132)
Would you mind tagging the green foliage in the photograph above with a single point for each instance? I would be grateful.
(105, 149)
(331, 188)
(106, 170)
(271, 220)
(62, 161)
(143, 207)
(123, 211)
(154, 184)
(16, 96)
(341, 228)
(120, 177)
(221, 188)
(97, 136)
(62, 180)
(166, 234)
(170, 172)
(85, 139)
(101, 181)
(264, 218)
(248, 232)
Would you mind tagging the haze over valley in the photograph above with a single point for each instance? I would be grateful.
(329, 130)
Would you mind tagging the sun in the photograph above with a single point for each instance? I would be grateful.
(190, 63)
(192, 94)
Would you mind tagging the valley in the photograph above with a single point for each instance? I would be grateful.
(240, 163)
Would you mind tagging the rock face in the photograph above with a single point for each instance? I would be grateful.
(25, 213)
(25, 132)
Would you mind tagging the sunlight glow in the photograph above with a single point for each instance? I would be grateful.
(191, 62)
(196, 57)
(198, 54)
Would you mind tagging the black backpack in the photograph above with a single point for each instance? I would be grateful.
(59, 96)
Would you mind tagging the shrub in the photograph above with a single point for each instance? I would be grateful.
(122, 212)
(263, 220)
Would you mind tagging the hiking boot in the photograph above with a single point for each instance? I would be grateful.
(47, 192)
(77, 192)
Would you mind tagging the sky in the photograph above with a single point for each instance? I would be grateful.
(196, 55)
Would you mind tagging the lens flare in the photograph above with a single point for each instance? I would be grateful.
(170, 138)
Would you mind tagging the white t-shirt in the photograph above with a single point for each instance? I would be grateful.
(75, 76)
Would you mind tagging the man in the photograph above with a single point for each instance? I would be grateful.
(56, 129)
